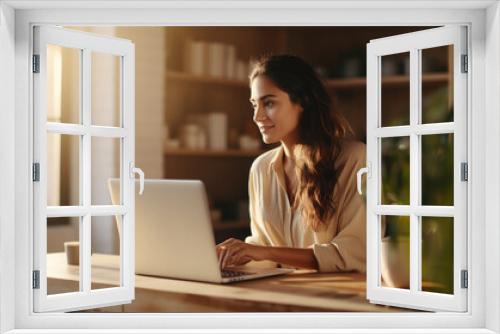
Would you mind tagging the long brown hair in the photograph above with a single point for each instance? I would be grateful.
(321, 132)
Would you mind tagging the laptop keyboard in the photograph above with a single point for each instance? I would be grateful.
(233, 273)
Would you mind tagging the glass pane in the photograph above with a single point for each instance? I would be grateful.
(437, 84)
(106, 76)
(63, 84)
(437, 254)
(63, 170)
(63, 255)
(395, 251)
(395, 95)
(105, 258)
(105, 166)
(437, 169)
(395, 170)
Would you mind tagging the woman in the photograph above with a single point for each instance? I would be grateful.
(304, 208)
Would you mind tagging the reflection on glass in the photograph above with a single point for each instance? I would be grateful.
(395, 251)
(437, 84)
(106, 89)
(395, 94)
(105, 260)
(63, 248)
(395, 170)
(105, 165)
(63, 166)
(63, 84)
(437, 169)
(437, 254)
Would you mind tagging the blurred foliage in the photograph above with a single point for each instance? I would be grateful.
(437, 189)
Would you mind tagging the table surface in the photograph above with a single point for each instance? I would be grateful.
(302, 290)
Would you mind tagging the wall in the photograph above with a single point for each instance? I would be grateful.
(150, 68)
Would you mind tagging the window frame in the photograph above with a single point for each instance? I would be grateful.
(86, 44)
(485, 50)
(414, 44)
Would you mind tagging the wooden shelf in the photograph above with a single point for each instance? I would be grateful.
(341, 83)
(181, 76)
(230, 225)
(213, 153)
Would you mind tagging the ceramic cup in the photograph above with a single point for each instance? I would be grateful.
(72, 250)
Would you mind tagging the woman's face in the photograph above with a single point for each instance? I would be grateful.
(274, 113)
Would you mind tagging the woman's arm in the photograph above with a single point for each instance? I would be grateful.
(236, 252)
(295, 257)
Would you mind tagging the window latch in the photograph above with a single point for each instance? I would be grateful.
(134, 170)
(365, 170)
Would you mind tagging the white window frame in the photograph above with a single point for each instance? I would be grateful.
(86, 44)
(413, 43)
(483, 127)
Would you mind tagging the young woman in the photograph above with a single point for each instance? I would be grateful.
(304, 208)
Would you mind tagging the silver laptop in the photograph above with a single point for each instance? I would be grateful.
(174, 235)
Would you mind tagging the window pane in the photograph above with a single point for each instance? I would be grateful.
(395, 95)
(105, 260)
(63, 84)
(437, 84)
(437, 254)
(105, 165)
(106, 76)
(395, 170)
(395, 251)
(437, 169)
(63, 248)
(63, 170)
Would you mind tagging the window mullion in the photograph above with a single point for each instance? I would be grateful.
(85, 232)
(415, 254)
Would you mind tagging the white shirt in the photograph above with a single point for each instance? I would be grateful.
(339, 245)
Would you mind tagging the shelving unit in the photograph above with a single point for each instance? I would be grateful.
(356, 82)
(213, 153)
(347, 83)
(182, 76)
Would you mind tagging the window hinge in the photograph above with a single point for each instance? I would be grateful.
(465, 66)
(465, 279)
(464, 171)
(36, 279)
(36, 172)
(36, 63)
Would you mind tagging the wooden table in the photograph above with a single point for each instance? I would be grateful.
(300, 291)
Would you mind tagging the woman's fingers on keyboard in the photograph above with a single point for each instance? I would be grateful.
(221, 253)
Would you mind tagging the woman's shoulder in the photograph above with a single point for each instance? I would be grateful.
(352, 152)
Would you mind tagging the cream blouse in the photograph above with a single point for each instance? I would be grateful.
(338, 246)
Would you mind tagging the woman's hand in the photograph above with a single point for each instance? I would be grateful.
(234, 252)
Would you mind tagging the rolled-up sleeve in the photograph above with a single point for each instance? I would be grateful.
(347, 250)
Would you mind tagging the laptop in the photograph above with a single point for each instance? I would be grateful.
(174, 235)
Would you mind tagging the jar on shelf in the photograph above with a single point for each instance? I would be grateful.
(190, 136)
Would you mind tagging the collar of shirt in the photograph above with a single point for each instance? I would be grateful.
(276, 166)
